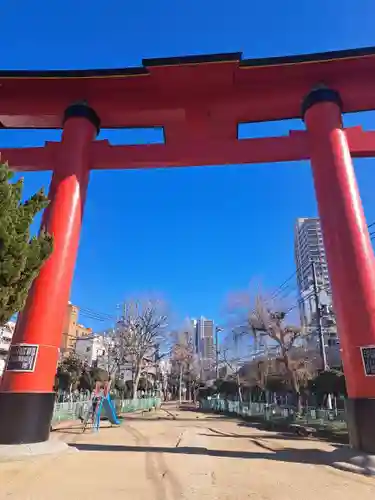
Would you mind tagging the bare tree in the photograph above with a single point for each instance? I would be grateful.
(194, 376)
(110, 355)
(264, 320)
(182, 355)
(185, 362)
(138, 336)
(236, 355)
(234, 367)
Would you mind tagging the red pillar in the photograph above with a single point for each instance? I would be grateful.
(26, 393)
(349, 255)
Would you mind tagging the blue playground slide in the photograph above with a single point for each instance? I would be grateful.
(109, 411)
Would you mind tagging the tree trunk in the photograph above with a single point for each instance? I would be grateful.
(194, 393)
(239, 389)
(294, 382)
(136, 382)
(329, 401)
(180, 385)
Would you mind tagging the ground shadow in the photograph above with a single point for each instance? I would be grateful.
(310, 456)
(169, 418)
(69, 430)
(78, 429)
(279, 435)
(327, 435)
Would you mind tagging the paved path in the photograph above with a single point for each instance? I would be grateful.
(185, 456)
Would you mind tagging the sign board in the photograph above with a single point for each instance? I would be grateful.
(22, 358)
(368, 358)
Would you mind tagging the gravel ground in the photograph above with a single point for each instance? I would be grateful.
(184, 455)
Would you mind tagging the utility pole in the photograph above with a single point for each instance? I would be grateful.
(180, 385)
(217, 330)
(319, 319)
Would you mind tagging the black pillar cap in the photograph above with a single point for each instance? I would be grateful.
(320, 94)
(82, 110)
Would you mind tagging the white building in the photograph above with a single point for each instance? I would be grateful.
(308, 249)
(91, 349)
(97, 351)
(6, 334)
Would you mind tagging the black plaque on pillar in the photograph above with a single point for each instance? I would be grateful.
(22, 358)
(368, 358)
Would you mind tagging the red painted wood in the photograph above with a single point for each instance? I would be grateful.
(41, 321)
(199, 105)
(166, 95)
(346, 239)
(361, 143)
(103, 156)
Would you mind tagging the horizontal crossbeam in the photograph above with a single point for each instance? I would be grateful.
(104, 156)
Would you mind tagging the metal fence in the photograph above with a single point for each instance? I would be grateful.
(70, 411)
(316, 417)
(130, 405)
(76, 410)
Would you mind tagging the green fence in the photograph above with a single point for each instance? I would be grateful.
(315, 417)
(130, 405)
(76, 410)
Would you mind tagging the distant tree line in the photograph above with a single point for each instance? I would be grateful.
(284, 373)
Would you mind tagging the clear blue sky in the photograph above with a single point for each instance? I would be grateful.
(191, 235)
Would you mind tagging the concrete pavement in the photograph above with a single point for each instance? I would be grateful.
(184, 455)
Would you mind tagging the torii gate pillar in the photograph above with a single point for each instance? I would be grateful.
(27, 397)
(349, 254)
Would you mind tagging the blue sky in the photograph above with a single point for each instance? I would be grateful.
(191, 235)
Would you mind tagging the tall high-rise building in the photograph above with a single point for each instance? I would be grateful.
(308, 249)
(204, 345)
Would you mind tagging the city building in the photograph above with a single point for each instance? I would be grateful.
(92, 349)
(6, 334)
(100, 350)
(309, 250)
(72, 330)
(204, 331)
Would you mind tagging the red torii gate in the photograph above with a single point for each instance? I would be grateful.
(199, 102)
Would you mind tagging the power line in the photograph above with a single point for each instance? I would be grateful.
(305, 299)
(303, 267)
(87, 311)
(281, 287)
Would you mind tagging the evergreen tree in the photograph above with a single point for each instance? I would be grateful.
(69, 373)
(21, 256)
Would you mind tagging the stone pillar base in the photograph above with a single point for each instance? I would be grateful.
(361, 423)
(25, 417)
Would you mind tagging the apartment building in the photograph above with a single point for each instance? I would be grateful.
(72, 330)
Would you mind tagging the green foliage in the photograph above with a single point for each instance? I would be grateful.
(72, 373)
(86, 382)
(119, 385)
(99, 375)
(277, 383)
(328, 382)
(143, 384)
(124, 389)
(227, 387)
(21, 257)
(69, 373)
